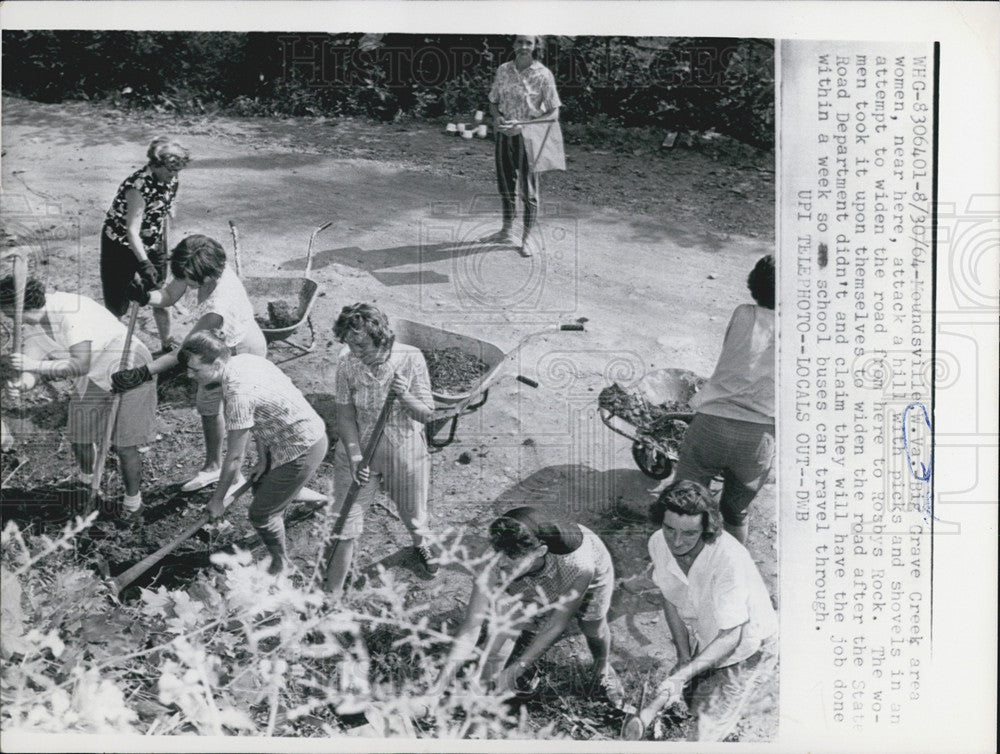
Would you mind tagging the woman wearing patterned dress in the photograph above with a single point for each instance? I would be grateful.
(523, 90)
(199, 262)
(133, 239)
(566, 570)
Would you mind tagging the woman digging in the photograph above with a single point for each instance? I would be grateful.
(260, 401)
(199, 263)
(134, 236)
(562, 565)
(375, 366)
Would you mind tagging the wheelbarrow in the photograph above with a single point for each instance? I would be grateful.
(450, 407)
(655, 448)
(303, 290)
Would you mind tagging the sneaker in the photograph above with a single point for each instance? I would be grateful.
(200, 480)
(238, 482)
(427, 560)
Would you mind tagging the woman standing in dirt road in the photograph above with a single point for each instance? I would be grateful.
(523, 90)
(560, 565)
(199, 262)
(133, 239)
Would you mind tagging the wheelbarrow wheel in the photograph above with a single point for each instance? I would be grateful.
(650, 461)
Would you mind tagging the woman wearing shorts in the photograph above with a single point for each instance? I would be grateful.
(133, 239)
(561, 566)
(199, 262)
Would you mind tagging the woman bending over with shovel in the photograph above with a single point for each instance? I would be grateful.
(715, 603)
(70, 336)
(260, 400)
(564, 565)
(199, 263)
(375, 370)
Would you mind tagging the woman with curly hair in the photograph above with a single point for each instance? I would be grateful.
(715, 602)
(563, 567)
(375, 366)
(199, 263)
(732, 433)
(134, 239)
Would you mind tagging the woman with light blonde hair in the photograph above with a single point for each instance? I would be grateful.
(134, 238)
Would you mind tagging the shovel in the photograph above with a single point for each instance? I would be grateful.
(102, 452)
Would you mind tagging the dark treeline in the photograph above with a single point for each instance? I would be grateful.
(693, 84)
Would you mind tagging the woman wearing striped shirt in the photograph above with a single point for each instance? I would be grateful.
(260, 400)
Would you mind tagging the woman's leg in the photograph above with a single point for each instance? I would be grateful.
(598, 636)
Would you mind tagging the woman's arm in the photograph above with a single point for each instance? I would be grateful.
(236, 448)
(134, 207)
(468, 632)
(76, 365)
(551, 630)
(678, 632)
(418, 409)
(350, 435)
(168, 296)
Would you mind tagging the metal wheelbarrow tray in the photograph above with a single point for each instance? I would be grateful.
(654, 456)
(451, 406)
(304, 290)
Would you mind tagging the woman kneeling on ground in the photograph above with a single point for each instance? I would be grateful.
(199, 263)
(716, 605)
(558, 564)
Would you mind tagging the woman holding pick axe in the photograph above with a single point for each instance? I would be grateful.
(260, 401)
(69, 336)
(134, 236)
(525, 106)
(375, 371)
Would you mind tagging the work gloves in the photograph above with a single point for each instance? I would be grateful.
(138, 292)
(128, 379)
(147, 273)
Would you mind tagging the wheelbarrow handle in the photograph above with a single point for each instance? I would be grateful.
(236, 249)
(309, 253)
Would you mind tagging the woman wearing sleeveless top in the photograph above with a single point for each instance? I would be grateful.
(199, 262)
(133, 238)
(561, 565)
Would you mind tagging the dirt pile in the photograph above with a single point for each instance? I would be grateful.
(279, 314)
(649, 419)
(452, 370)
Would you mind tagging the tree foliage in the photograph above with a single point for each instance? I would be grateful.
(682, 83)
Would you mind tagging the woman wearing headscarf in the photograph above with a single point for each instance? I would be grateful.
(134, 238)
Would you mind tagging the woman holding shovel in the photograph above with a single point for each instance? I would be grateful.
(716, 607)
(260, 401)
(69, 336)
(199, 263)
(375, 367)
(134, 236)
(523, 93)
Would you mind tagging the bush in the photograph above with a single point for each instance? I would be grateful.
(238, 652)
(680, 84)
